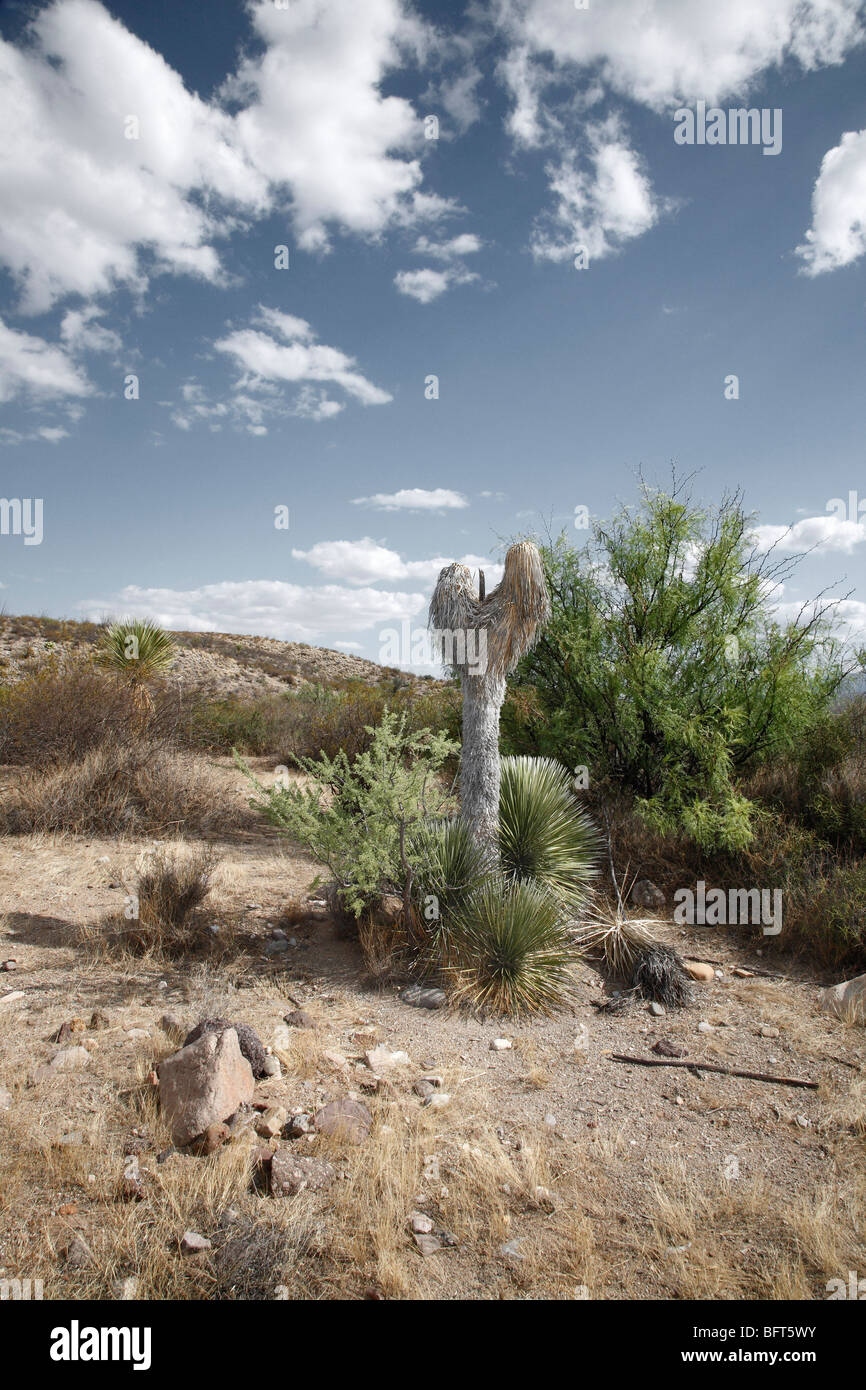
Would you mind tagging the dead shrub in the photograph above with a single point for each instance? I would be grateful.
(121, 788)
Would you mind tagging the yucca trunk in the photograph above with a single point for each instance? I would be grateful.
(483, 697)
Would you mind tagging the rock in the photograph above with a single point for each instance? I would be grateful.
(99, 1021)
(248, 1039)
(291, 1174)
(420, 1224)
(272, 1066)
(543, 1196)
(138, 1032)
(427, 1244)
(67, 1029)
(423, 997)
(348, 1120)
(299, 1018)
(70, 1059)
(424, 1089)
(11, 998)
(125, 1289)
(335, 1060)
(511, 1250)
(704, 1027)
(656, 1009)
(5, 1099)
(270, 1124)
(550, 1121)
(501, 1045)
(700, 971)
(277, 947)
(665, 1048)
(204, 1083)
(846, 1000)
(438, 1101)
(391, 908)
(382, 1059)
(768, 1032)
(646, 894)
(173, 1025)
(9, 965)
(212, 1140)
(192, 1243)
(298, 1126)
(78, 1253)
(73, 1139)
(131, 1184)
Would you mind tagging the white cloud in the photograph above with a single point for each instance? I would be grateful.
(302, 126)
(416, 499)
(601, 210)
(837, 235)
(31, 367)
(366, 562)
(298, 359)
(822, 533)
(349, 646)
(466, 244)
(266, 607)
(428, 284)
(667, 52)
(81, 333)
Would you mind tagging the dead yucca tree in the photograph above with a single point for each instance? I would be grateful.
(482, 638)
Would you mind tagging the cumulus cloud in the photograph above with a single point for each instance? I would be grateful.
(600, 207)
(427, 284)
(32, 368)
(107, 155)
(366, 562)
(821, 533)
(837, 235)
(414, 499)
(298, 359)
(266, 607)
(666, 52)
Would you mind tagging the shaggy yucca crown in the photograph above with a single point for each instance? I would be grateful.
(137, 648)
(512, 614)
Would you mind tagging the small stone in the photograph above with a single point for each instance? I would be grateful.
(5, 1099)
(420, 1224)
(704, 1027)
(700, 971)
(438, 1101)
(646, 894)
(382, 1059)
(99, 1021)
(173, 1025)
(72, 1140)
(272, 1066)
(78, 1253)
(70, 1059)
(501, 1045)
(9, 965)
(511, 1250)
(276, 948)
(424, 1089)
(767, 1031)
(656, 1009)
(298, 1126)
(299, 1018)
(270, 1124)
(335, 1060)
(138, 1032)
(544, 1196)
(422, 997)
(291, 1175)
(427, 1244)
(347, 1120)
(192, 1243)
(125, 1289)
(665, 1048)
(391, 907)
(11, 998)
(212, 1140)
(131, 1184)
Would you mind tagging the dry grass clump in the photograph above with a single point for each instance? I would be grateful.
(121, 788)
(170, 889)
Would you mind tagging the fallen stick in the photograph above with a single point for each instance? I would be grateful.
(713, 1066)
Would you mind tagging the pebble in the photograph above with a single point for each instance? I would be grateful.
(271, 1066)
(427, 1244)
(501, 1045)
(193, 1243)
(656, 1009)
(704, 1027)
(768, 1032)
(421, 1225)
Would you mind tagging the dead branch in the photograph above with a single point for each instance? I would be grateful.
(698, 1066)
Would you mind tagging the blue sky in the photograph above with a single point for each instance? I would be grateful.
(303, 125)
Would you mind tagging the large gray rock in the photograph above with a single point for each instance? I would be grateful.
(291, 1174)
(250, 1043)
(204, 1083)
(846, 1000)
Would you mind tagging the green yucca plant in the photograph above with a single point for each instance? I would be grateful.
(138, 650)
(544, 834)
(454, 866)
(512, 953)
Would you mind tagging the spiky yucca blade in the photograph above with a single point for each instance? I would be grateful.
(454, 865)
(514, 955)
(544, 833)
(137, 649)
